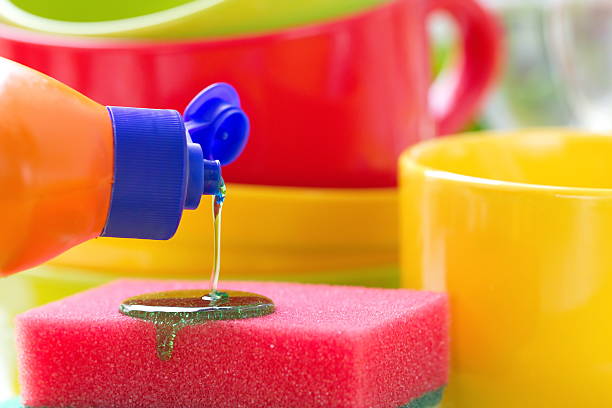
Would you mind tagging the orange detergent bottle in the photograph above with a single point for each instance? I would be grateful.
(72, 169)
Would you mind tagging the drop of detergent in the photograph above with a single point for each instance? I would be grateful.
(173, 310)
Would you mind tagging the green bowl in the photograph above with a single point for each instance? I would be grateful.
(171, 19)
(429, 400)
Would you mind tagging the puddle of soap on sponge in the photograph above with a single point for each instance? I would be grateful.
(174, 310)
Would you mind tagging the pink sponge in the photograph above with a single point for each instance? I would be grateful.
(325, 346)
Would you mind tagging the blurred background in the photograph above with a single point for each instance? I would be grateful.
(335, 90)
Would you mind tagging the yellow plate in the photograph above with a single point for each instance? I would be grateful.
(271, 233)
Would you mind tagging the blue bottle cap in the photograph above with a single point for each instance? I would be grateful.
(164, 163)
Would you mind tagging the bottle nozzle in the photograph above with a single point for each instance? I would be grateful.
(212, 177)
(204, 177)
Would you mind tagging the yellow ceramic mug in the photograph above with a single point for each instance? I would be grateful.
(518, 229)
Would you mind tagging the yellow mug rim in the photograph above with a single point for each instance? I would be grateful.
(411, 159)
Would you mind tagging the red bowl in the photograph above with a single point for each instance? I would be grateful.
(331, 104)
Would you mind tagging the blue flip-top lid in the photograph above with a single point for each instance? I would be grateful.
(164, 163)
(216, 122)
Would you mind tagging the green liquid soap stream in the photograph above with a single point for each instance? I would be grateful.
(171, 311)
(217, 201)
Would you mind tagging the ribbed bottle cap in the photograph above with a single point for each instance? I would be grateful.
(150, 173)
